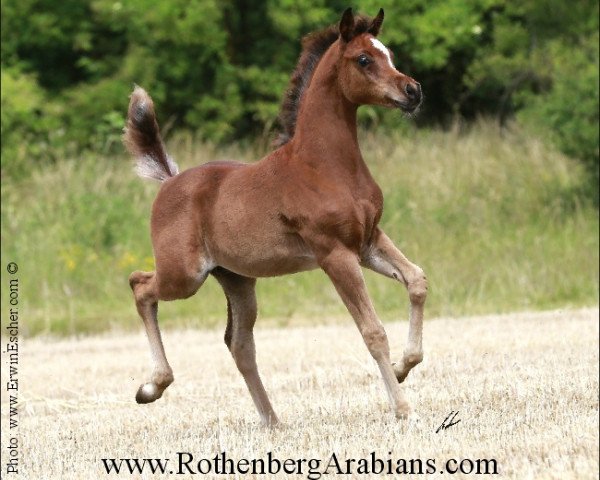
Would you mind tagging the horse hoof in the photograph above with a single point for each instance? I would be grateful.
(147, 393)
(400, 371)
(413, 418)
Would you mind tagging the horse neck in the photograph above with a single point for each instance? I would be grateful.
(325, 134)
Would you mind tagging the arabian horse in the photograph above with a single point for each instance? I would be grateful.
(311, 203)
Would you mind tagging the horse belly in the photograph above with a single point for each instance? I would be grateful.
(268, 266)
(265, 259)
(254, 246)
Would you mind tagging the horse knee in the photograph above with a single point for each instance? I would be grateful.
(377, 342)
(417, 288)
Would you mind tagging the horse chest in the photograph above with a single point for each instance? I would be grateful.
(349, 218)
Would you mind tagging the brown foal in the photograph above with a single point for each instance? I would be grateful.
(312, 203)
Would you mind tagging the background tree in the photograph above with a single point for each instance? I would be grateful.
(219, 69)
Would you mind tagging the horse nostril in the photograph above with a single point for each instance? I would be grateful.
(413, 91)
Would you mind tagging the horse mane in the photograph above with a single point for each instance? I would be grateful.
(314, 46)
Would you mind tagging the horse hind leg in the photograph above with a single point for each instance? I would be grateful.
(145, 291)
(239, 336)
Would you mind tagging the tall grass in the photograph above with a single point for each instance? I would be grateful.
(492, 216)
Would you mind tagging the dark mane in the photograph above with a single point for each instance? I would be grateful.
(314, 46)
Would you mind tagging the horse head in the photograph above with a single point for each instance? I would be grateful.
(366, 70)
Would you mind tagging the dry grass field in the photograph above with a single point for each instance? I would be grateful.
(525, 386)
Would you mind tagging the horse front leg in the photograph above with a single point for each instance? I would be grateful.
(343, 268)
(385, 258)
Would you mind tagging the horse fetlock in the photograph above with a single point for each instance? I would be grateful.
(163, 379)
(270, 419)
(412, 357)
(402, 410)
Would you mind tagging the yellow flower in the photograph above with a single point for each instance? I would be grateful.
(148, 264)
(126, 260)
(69, 257)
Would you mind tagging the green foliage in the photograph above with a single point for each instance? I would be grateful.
(219, 68)
(568, 112)
(29, 124)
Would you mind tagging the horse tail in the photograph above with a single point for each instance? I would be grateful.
(142, 139)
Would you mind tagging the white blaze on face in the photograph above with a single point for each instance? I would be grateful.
(383, 49)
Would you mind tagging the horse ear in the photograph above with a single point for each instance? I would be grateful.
(347, 25)
(376, 23)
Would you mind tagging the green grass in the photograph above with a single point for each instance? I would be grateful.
(492, 216)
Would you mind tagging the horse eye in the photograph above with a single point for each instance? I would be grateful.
(363, 60)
